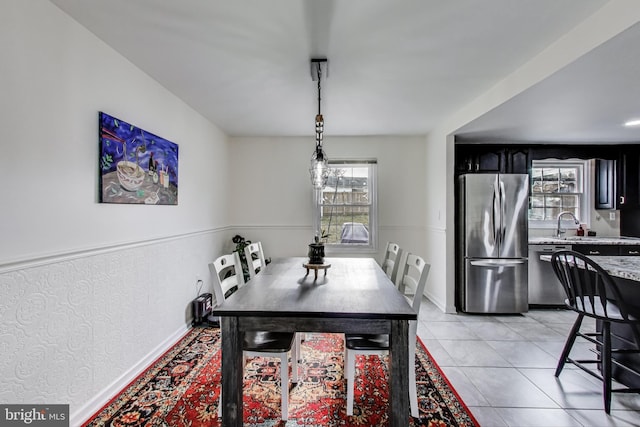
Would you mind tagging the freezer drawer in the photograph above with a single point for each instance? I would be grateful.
(495, 286)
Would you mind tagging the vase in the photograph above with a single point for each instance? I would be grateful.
(316, 253)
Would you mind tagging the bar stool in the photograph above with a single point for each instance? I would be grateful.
(593, 293)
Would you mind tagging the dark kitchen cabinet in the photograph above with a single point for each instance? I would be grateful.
(605, 184)
(609, 250)
(518, 160)
(629, 250)
(480, 159)
(628, 175)
(484, 158)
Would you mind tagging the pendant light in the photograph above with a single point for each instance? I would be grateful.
(319, 169)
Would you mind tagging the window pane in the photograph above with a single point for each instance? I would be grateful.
(570, 202)
(347, 224)
(550, 174)
(568, 174)
(537, 201)
(536, 174)
(553, 201)
(536, 186)
(536, 214)
(551, 213)
(550, 187)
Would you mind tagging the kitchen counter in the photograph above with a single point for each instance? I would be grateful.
(624, 267)
(584, 240)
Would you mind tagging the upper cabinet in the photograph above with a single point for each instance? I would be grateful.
(628, 177)
(605, 183)
(480, 158)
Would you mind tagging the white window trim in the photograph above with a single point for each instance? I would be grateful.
(341, 249)
(586, 201)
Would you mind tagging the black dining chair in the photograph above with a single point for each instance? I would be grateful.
(593, 293)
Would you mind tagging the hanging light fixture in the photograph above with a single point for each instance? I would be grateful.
(319, 169)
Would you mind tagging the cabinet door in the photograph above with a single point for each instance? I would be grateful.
(491, 161)
(518, 160)
(629, 178)
(629, 250)
(609, 250)
(479, 158)
(605, 191)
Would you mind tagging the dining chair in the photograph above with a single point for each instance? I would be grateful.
(391, 260)
(255, 258)
(226, 272)
(256, 262)
(412, 277)
(593, 293)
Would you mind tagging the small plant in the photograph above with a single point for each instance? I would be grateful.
(242, 243)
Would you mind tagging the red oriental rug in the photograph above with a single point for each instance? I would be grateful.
(182, 387)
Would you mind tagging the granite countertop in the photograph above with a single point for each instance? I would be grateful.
(584, 240)
(626, 267)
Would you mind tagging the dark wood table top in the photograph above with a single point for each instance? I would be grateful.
(352, 288)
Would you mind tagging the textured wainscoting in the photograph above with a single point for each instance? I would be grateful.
(74, 328)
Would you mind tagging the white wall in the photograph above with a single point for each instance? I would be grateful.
(271, 196)
(90, 291)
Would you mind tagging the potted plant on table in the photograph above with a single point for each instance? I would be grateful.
(316, 249)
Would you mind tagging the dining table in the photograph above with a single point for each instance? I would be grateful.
(354, 296)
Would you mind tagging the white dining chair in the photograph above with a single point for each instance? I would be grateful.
(391, 260)
(226, 272)
(255, 258)
(411, 280)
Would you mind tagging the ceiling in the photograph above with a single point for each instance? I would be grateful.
(395, 67)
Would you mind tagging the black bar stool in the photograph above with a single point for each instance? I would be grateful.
(593, 293)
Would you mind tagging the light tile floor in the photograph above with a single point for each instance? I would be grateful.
(502, 366)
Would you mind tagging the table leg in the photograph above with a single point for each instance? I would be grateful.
(231, 372)
(315, 270)
(399, 382)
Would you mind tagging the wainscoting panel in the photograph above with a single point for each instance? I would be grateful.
(74, 326)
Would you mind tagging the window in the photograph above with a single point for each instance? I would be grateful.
(558, 186)
(345, 209)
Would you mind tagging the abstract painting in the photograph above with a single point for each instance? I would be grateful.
(136, 166)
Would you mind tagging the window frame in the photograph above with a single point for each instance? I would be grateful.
(358, 248)
(583, 179)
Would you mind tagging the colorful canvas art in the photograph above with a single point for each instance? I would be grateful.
(136, 166)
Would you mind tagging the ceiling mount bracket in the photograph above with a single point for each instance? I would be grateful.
(319, 64)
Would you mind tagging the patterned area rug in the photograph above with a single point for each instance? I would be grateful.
(182, 387)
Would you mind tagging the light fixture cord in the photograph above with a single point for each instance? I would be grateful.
(319, 78)
(319, 126)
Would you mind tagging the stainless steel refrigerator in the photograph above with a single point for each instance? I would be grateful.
(492, 245)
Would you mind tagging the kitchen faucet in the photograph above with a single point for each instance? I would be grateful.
(560, 231)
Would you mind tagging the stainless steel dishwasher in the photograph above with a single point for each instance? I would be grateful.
(544, 287)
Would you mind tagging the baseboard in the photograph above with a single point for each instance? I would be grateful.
(102, 398)
(435, 301)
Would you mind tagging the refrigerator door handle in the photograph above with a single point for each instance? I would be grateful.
(496, 213)
(498, 263)
(503, 212)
